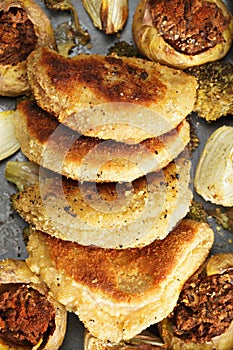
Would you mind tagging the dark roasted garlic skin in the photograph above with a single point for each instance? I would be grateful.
(21, 294)
(203, 317)
(183, 33)
(24, 27)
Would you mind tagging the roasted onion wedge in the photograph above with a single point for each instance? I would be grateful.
(214, 174)
(8, 142)
(209, 293)
(30, 318)
(182, 34)
(24, 27)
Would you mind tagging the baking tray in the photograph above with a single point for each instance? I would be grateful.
(11, 225)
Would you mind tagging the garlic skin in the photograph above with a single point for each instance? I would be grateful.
(8, 142)
(110, 16)
(214, 174)
(143, 340)
(219, 263)
(22, 174)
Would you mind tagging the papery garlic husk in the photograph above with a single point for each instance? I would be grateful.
(214, 174)
(144, 340)
(152, 43)
(15, 273)
(110, 16)
(75, 26)
(13, 72)
(8, 142)
(215, 265)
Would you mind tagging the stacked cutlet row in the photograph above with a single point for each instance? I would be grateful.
(106, 230)
(128, 194)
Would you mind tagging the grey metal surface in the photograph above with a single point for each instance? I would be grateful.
(11, 243)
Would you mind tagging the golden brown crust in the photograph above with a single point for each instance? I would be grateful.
(111, 267)
(118, 293)
(123, 98)
(92, 71)
(44, 139)
(110, 215)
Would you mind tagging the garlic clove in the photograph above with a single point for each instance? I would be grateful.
(109, 16)
(214, 174)
(8, 141)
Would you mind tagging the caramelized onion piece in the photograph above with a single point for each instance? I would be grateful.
(110, 16)
(219, 263)
(214, 174)
(8, 141)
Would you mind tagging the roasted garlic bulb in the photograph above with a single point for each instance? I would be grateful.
(214, 174)
(8, 142)
(203, 317)
(182, 33)
(110, 16)
(23, 27)
(30, 318)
